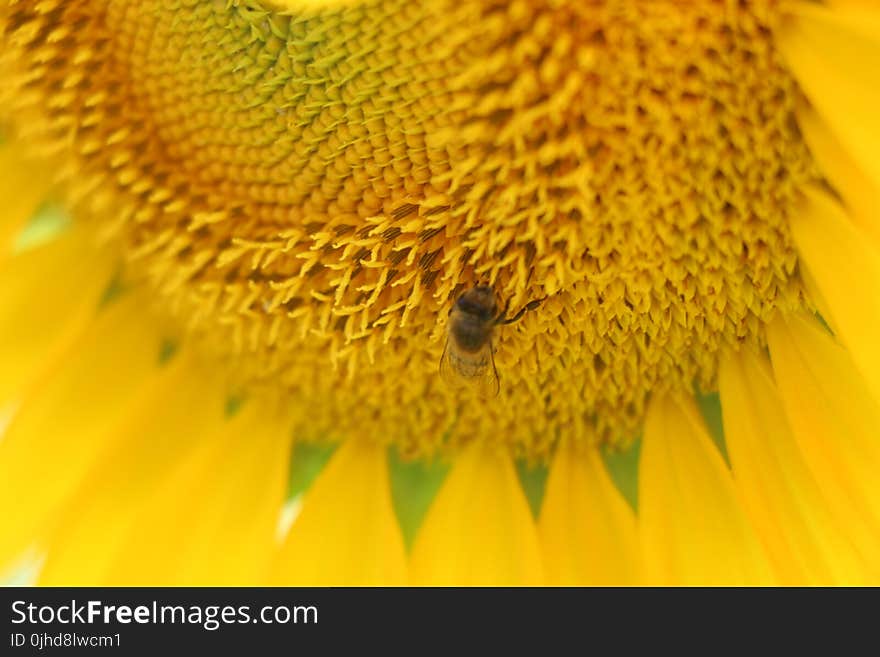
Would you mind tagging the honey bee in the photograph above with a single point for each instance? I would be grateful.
(469, 357)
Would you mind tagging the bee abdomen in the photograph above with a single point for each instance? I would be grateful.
(469, 367)
(470, 334)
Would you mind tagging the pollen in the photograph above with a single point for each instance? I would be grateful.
(308, 191)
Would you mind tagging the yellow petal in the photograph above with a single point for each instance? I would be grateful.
(835, 421)
(178, 409)
(214, 520)
(805, 541)
(479, 529)
(834, 54)
(852, 4)
(817, 299)
(692, 528)
(24, 186)
(587, 530)
(861, 194)
(846, 270)
(62, 423)
(48, 295)
(347, 533)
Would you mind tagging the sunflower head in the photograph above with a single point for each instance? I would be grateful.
(310, 190)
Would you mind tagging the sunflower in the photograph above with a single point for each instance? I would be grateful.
(233, 231)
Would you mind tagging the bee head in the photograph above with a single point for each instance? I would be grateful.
(479, 301)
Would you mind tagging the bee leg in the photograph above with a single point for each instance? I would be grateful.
(500, 317)
(515, 318)
(494, 369)
(531, 305)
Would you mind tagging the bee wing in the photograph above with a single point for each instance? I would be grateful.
(447, 370)
(475, 372)
(452, 370)
(488, 385)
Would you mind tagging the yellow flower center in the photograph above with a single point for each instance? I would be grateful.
(311, 191)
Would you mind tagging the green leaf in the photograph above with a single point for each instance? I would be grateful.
(306, 462)
(623, 466)
(710, 408)
(533, 478)
(414, 483)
